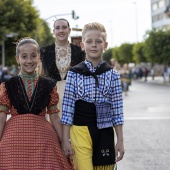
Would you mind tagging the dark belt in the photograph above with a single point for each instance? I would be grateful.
(85, 113)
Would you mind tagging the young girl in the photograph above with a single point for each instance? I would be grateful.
(92, 106)
(27, 140)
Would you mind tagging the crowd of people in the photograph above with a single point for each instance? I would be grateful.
(139, 72)
(90, 112)
(7, 72)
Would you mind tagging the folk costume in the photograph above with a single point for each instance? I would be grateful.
(29, 141)
(57, 60)
(92, 105)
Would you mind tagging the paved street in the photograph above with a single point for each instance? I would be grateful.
(147, 127)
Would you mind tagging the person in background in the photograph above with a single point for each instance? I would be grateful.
(125, 78)
(1, 73)
(168, 72)
(57, 58)
(27, 139)
(5, 74)
(113, 62)
(152, 72)
(164, 73)
(93, 107)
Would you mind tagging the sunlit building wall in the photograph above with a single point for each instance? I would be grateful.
(160, 11)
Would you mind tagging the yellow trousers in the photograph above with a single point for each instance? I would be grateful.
(82, 145)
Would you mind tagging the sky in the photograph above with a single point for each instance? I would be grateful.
(126, 21)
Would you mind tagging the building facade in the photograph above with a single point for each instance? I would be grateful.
(160, 11)
(76, 36)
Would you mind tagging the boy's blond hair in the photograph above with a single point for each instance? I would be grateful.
(94, 26)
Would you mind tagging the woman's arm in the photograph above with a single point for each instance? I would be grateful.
(120, 143)
(55, 120)
(3, 117)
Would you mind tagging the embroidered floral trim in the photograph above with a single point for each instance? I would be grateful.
(63, 59)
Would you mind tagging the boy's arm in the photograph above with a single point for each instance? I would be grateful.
(66, 141)
(119, 145)
(118, 118)
(68, 107)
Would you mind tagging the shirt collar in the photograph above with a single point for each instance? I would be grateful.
(90, 65)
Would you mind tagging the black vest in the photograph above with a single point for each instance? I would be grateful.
(19, 99)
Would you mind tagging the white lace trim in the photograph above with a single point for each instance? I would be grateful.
(63, 59)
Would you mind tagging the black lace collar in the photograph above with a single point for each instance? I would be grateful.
(19, 99)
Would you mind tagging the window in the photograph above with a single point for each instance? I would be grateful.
(154, 6)
(161, 3)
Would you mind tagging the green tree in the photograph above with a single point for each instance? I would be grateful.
(126, 52)
(157, 46)
(19, 16)
(138, 53)
(123, 54)
(44, 35)
(116, 54)
(107, 55)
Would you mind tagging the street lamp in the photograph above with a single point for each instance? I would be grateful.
(3, 46)
(136, 20)
(72, 13)
(111, 33)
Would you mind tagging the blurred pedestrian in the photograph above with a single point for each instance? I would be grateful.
(164, 73)
(1, 73)
(58, 57)
(168, 72)
(145, 73)
(5, 74)
(93, 106)
(152, 72)
(113, 62)
(27, 139)
(125, 78)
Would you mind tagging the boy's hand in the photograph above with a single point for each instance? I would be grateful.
(119, 151)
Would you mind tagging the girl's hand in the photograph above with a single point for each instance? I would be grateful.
(66, 147)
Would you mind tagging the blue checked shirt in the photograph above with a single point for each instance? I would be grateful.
(107, 97)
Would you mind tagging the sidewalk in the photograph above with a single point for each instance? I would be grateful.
(157, 80)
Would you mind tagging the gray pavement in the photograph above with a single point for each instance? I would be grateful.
(157, 80)
(147, 126)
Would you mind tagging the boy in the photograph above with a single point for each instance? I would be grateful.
(92, 106)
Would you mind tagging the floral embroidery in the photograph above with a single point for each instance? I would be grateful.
(63, 59)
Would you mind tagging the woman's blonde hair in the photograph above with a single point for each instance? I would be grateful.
(94, 26)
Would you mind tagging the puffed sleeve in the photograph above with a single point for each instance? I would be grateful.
(53, 105)
(4, 100)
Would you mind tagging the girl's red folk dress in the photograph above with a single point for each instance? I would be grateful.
(29, 142)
